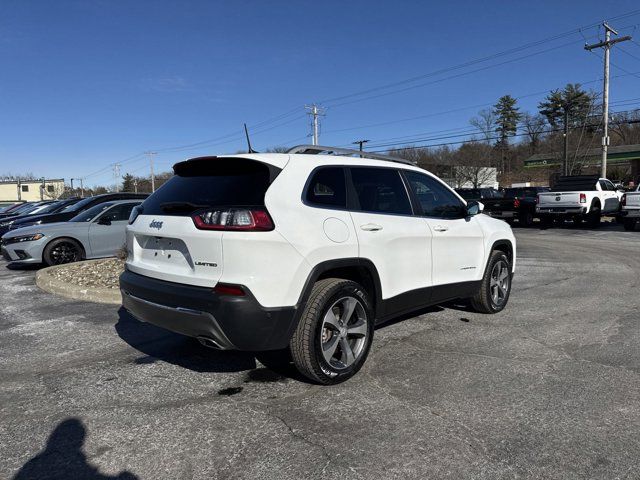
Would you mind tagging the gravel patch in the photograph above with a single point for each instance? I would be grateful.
(95, 274)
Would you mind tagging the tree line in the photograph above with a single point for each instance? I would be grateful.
(567, 125)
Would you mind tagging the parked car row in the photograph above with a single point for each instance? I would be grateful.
(68, 230)
(577, 197)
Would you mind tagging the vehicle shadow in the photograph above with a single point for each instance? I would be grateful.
(159, 344)
(63, 457)
(23, 266)
(606, 226)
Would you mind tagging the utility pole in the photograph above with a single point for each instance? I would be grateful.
(565, 151)
(82, 187)
(135, 185)
(72, 185)
(360, 143)
(116, 174)
(315, 112)
(605, 87)
(153, 177)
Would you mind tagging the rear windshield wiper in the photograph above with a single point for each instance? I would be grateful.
(181, 206)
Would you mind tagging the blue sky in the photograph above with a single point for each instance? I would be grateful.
(84, 84)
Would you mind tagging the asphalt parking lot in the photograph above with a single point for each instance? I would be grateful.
(550, 388)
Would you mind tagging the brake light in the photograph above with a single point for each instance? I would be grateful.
(226, 289)
(623, 200)
(516, 202)
(243, 219)
(583, 198)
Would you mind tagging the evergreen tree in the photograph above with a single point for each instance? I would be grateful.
(572, 103)
(127, 183)
(507, 116)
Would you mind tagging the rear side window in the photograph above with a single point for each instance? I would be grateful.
(120, 212)
(327, 188)
(210, 182)
(380, 190)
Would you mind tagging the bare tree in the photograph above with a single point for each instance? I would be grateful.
(473, 165)
(534, 126)
(485, 122)
(626, 126)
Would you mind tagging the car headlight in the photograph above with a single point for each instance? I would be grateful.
(22, 238)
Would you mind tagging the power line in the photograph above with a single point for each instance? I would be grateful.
(478, 60)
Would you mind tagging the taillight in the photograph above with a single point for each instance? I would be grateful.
(516, 202)
(244, 219)
(583, 198)
(623, 200)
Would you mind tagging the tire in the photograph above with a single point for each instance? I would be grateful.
(61, 251)
(492, 297)
(593, 217)
(321, 326)
(525, 219)
(629, 224)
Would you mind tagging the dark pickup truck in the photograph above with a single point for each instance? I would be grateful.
(518, 203)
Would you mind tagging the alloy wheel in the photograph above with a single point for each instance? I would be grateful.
(65, 252)
(500, 283)
(344, 332)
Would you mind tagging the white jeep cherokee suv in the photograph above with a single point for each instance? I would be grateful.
(308, 251)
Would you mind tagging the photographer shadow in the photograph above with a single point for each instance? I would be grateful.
(63, 457)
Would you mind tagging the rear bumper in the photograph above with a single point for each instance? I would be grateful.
(501, 214)
(630, 213)
(230, 322)
(561, 210)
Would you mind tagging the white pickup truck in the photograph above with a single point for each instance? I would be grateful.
(579, 197)
(630, 212)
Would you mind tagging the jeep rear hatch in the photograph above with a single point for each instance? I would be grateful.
(177, 235)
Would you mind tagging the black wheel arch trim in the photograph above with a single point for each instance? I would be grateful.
(502, 243)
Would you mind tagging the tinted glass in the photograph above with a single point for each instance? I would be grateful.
(91, 213)
(210, 182)
(469, 193)
(119, 213)
(77, 207)
(380, 190)
(327, 187)
(435, 199)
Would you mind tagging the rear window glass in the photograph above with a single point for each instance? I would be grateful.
(210, 182)
(327, 188)
(380, 190)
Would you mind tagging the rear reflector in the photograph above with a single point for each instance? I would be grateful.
(226, 289)
(244, 219)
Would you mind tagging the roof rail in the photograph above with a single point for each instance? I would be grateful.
(316, 149)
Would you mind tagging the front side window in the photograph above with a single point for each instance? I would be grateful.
(327, 188)
(380, 190)
(434, 198)
(91, 213)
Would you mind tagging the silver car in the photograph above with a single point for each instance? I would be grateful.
(95, 233)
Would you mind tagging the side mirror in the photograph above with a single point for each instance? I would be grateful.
(474, 208)
(104, 221)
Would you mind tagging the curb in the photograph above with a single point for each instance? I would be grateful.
(49, 283)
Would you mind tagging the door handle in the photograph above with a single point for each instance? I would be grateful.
(371, 227)
(440, 228)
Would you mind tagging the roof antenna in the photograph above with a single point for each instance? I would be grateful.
(246, 132)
